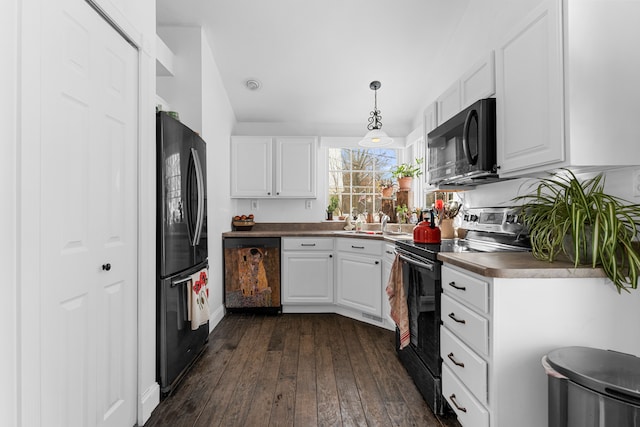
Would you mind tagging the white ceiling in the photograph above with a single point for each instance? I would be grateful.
(315, 59)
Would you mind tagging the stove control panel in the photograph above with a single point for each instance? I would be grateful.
(494, 220)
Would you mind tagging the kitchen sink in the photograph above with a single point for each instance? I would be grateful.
(389, 233)
(365, 232)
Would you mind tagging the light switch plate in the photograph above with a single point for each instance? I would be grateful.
(307, 204)
(254, 205)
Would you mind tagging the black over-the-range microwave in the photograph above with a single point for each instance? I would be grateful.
(462, 150)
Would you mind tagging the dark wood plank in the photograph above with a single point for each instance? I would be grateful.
(306, 409)
(372, 401)
(351, 410)
(326, 387)
(260, 409)
(398, 377)
(242, 397)
(216, 406)
(282, 411)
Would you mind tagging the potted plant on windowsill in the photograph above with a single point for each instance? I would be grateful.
(565, 216)
(334, 202)
(386, 188)
(405, 173)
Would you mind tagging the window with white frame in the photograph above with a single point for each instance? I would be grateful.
(355, 175)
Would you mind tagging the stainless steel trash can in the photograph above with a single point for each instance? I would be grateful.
(589, 387)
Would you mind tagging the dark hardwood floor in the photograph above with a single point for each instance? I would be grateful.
(297, 370)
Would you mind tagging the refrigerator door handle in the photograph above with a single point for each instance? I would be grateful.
(200, 184)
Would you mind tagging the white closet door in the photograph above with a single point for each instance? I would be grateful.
(88, 220)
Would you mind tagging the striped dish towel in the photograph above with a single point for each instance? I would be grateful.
(398, 302)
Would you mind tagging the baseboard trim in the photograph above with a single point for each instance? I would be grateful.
(148, 402)
(216, 317)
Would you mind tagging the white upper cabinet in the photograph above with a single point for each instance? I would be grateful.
(430, 122)
(479, 82)
(430, 118)
(251, 166)
(273, 167)
(448, 104)
(567, 88)
(529, 92)
(296, 167)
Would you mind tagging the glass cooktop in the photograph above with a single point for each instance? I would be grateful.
(474, 242)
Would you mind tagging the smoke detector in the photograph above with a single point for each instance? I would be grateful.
(252, 84)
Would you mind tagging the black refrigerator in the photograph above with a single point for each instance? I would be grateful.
(181, 246)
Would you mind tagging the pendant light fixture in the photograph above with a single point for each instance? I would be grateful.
(376, 137)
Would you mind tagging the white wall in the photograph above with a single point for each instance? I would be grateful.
(8, 194)
(217, 121)
(183, 90)
(618, 182)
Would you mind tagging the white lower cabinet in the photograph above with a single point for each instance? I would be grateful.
(464, 346)
(359, 275)
(470, 412)
(307, 270)
(497, 329)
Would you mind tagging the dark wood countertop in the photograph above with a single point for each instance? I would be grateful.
(517, 265)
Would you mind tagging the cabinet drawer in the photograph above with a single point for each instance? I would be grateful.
(470, 412)
(470, 368)
(360, 246)
(467, 325)
(307, 243)
(466, 288)
(389, 253)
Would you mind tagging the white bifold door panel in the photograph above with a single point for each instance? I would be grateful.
(88, 223)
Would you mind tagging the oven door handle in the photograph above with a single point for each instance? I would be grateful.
(414, 262)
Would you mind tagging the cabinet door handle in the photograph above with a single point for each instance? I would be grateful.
(377, 262)
(460, 288)
(330, 256)
(453, 316)
(460, 408)
(357, 247)
(389, 252)
(307, 244)
(106, 267)
(453, 359)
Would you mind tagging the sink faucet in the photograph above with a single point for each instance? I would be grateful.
(383, 221)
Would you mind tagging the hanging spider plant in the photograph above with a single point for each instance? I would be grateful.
(579, 220)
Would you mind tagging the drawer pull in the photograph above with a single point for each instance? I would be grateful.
(453, 316)
(460, 288)
(307, 244)
(455, 362)
(460, 408)
(389, 252)
(357, 247)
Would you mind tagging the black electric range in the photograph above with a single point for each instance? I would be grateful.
(488, 230)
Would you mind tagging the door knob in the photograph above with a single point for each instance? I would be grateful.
(106, 267)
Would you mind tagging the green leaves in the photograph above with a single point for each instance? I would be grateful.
(405, 170)
(578, 219)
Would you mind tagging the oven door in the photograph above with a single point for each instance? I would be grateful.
(421, 279)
